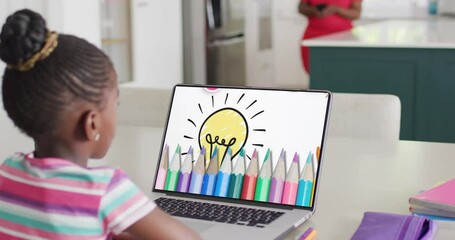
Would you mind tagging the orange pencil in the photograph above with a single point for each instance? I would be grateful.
(316, 167)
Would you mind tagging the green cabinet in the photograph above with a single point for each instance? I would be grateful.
(423, 79)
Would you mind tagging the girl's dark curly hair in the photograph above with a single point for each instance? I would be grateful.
(75, 70)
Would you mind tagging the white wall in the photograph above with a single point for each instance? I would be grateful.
(61, 15)
(194, 40)
(259, 62)
(79, 17)
(288, 28)
(386, 9)
(281, 65)
(157, 43)
(116, 36)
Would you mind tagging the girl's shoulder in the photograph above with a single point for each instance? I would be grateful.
(59, 171)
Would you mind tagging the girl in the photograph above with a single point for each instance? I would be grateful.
(62, 92)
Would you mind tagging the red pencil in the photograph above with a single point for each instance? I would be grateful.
(250, 178)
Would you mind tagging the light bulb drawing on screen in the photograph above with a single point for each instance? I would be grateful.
(226, 124)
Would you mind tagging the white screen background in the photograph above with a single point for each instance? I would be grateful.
(293, 120)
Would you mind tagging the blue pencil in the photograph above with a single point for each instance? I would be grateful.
(224, 175)
(209, 181)
(198, 174)
(305, 183)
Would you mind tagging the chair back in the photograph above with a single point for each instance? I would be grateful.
(141, 106)
(365, 116)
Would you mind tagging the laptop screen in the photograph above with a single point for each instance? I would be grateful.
(244, 144)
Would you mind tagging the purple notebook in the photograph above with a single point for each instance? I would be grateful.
(380, 226)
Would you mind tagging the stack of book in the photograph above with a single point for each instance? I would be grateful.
(436, 203)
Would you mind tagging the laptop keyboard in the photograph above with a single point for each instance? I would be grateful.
(218, 212)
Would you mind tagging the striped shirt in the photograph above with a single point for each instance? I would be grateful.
(53, 198)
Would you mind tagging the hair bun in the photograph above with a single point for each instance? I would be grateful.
(23, 35)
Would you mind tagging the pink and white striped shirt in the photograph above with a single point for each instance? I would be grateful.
(54, 198)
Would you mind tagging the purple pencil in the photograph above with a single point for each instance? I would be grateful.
(278, 177)
(185, 172)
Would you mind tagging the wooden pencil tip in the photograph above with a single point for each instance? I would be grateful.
(203, 150)
(309, 158)
(296, 158)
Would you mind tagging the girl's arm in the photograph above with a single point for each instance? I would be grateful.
(309, 11)
(352, 12)
(158, 225)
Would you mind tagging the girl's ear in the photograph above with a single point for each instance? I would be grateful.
(92, 125)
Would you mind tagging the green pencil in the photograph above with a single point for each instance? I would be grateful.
(173, 172)
(236, 181)
(264, 177)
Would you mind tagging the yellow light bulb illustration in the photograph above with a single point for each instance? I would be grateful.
(225, 128)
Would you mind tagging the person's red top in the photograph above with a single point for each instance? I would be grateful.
(323, 26)
(334, 23)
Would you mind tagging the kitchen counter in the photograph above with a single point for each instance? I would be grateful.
(433, 33)
(412, 59)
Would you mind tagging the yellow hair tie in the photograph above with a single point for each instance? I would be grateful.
(49, 46)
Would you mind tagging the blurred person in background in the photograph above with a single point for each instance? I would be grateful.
(326, 17)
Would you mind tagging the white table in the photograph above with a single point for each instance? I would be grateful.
(431, 33)
(357, 176)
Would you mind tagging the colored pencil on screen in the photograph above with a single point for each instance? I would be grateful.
(315, 161)
(277, 183)
(172, 175)
(224, 175)
(292, 182)
(185, 172)
(305, 189)
(198, 174)
(236, 181)
(249, 180)
(264, 177)
(162, 170)
(315, 168)
(209, 180)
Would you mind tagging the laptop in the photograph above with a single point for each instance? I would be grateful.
(242, 162)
